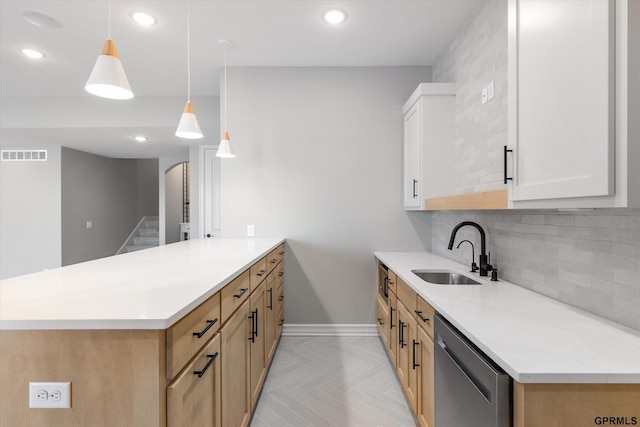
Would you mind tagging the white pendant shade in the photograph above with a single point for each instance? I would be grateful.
(224, 150)
(108, 79)
(188, 127)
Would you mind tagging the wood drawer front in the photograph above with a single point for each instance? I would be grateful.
(234, 294)
(382, 320)
(393, 279)
(194, 397)
(273, 259)
(406, 295)
(425, 315)
(258, 273)
(279, 273)
(186, 338)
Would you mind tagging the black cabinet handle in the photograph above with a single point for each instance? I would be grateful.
(210, 323)
(391, 320)
(401, 334)
(415, 343)
(211, 357)
(506, 178)
(281, 298)
(274, 260)
(415, 181)
(257, 325)
(270, 306)
(281, 253)
(380, 321)
(252, 338)
(242, 292)
(281, 321)
(419, 314)
(261, 273)
(281, 274)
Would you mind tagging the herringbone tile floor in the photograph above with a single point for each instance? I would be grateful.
(331, 382)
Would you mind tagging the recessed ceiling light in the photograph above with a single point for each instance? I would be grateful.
(31, 53)
(143, 18)
(40, 19)
(141, 138)
(334, 16)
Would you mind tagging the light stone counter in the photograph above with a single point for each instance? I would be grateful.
(149, 289)
(535, 339)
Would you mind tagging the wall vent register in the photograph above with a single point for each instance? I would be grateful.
(24, 155)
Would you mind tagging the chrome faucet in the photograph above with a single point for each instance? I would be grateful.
(485, 267)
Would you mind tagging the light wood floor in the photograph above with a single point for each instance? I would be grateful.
(331, 381)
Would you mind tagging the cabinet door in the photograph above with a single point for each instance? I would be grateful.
(271, 311)
(561, 95)
(406, 355)
(412, 156)
(236, 402)
(257, 329)
(425, 400)
(193, 398)
(393, 327)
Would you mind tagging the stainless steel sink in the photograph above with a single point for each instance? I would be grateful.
(444, 277)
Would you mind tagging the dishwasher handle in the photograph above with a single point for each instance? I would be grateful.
(464, 369)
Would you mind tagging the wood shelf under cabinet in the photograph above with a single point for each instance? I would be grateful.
(484, 200)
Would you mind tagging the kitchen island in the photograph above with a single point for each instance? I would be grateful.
(122, 329)
(569, 367)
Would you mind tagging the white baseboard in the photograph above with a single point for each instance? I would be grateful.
(344, 330)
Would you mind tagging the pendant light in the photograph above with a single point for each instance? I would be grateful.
(107, 78)
(224, 149)
(188, 126)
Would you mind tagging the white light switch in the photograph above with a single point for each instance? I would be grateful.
(491, 90)
(89, 224)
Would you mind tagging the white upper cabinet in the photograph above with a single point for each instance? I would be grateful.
(571, 89)
(429, 136)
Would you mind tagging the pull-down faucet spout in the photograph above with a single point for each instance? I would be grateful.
(485, 267)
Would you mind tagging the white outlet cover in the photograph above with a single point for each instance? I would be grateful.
(250, 230)
(50, 395)
(484, 95)
(491, 90)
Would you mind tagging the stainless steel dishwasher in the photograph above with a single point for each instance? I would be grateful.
(470, 390)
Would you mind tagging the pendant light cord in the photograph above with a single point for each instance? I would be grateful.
(225, 88)
(188, 51)
(109, 20)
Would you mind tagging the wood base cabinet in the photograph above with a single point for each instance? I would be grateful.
(425, 398)
(193, 399)
(236, 400)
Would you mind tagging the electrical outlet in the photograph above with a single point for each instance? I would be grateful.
(484, 95)
(250, 230)
(89, 224)
(50, 395)
(491, 90)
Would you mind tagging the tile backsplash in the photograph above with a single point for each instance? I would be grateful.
(588, 259)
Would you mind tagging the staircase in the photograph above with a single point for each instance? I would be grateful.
(147, 236)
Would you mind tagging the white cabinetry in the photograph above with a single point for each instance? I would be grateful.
(429, 136)
(572, 87)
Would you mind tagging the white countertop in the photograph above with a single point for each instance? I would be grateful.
(535, 339)
(148, 289)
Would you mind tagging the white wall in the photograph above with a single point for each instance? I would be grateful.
(30, 214)
(319, 161)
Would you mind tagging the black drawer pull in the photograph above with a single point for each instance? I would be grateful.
(381, 321)
(391, 319)
(242, 292)
(419, 314)
(281, 253)
(415, 365)
(261, 273)
(281, 321)
(270, 306)
(281, 298)
(505, 164)
(281, 274)
(210, 323)
(273, 261)
(211, 357)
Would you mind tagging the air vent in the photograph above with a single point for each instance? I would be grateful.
(24, 155)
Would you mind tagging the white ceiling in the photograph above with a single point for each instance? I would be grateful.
(263, 33)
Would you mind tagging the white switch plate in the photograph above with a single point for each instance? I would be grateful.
(50, 395)
(484, 95)
(89, 224)
(250, 230)
(491, 90)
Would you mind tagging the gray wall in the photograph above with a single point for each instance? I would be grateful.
(30, 214)
(590, 260)
(173, 203)
(319, 161)
(104, 191)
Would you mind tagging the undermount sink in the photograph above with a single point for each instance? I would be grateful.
(444, 277)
